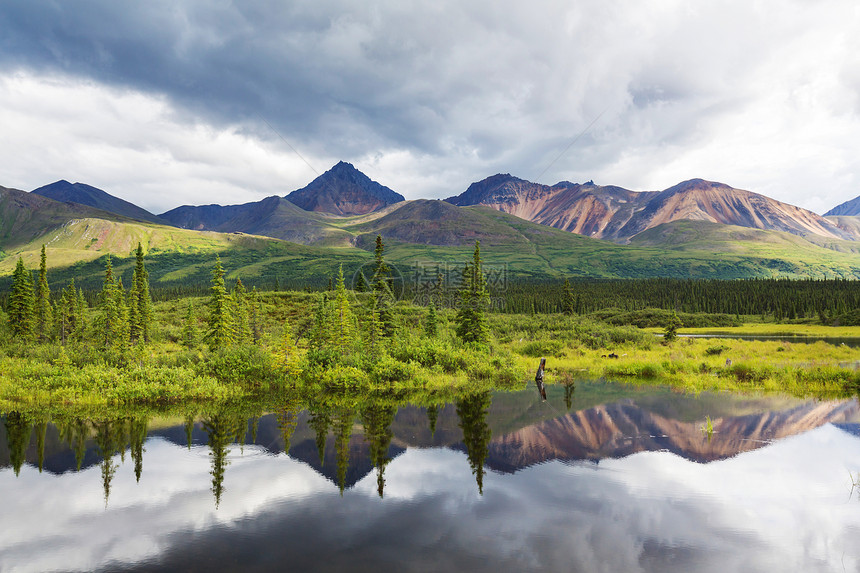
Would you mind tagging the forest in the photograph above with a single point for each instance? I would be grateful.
(474, 331)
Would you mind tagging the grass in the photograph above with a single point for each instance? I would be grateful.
(164, 373)
(818, 369)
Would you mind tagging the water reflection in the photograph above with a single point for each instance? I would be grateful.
(472, 411)
(529, 463)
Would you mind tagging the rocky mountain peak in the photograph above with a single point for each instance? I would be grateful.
(344, 190)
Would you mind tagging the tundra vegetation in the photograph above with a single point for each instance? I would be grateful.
(70, 349)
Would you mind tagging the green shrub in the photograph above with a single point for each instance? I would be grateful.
(388, 370)
(343, 378)
(248, 365)
(540, 348)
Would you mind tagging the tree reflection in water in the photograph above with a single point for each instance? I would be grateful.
(18, 430)
(110, 440)
(569, 388)
(377, 418)
(342, 433)
(223, 429)
(432, 417)
(472, 411)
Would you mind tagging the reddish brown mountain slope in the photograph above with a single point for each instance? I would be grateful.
(623, 428)
(618, 214)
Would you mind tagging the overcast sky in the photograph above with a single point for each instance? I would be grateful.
(171, 102)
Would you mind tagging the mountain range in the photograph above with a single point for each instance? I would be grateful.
(618, 214)
(696, 228)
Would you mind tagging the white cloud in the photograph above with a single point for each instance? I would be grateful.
(429, 97)
(131, 145)
(784, 506)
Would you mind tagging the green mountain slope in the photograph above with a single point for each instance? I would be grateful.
(529, 250)
(83, 194)
(419, 236)
(24, 216)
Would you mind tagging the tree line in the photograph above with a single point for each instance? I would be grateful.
(124, 317)
(780, 299)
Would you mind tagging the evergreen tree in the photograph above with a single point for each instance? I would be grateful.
(375, 344)
(343, 328)
(220, 334)
(320, 335)
(189, 328)
(568, 300)
(111, 312)
(288, 358)
(382, 288)
(140, 301)
(474, 299)
(122, 326)
(67, 312)
(21, 302)
(44, 313)
(242, 329)
(360, 283)
(431, 321)
(671, 331)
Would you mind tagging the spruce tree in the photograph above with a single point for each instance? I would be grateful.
(320, 335)
(670, 334)
(220, 334)
(471, 319)
(568, 300)
(109, 317)
(431, 321)
(122, 325)
(67, 312)
(44, 313)
(241, 325)
(382, 288)
(140, 301)
(375, 337)
(360, 283)
(21, 302)
(288, 357)
(343, 329)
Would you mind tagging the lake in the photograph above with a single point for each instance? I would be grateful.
(599, 477)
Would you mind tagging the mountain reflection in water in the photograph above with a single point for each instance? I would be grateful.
(503, 480)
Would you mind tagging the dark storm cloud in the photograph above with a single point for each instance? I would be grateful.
(428, 97)
(314, 73)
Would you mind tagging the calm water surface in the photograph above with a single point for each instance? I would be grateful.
(597, 478)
